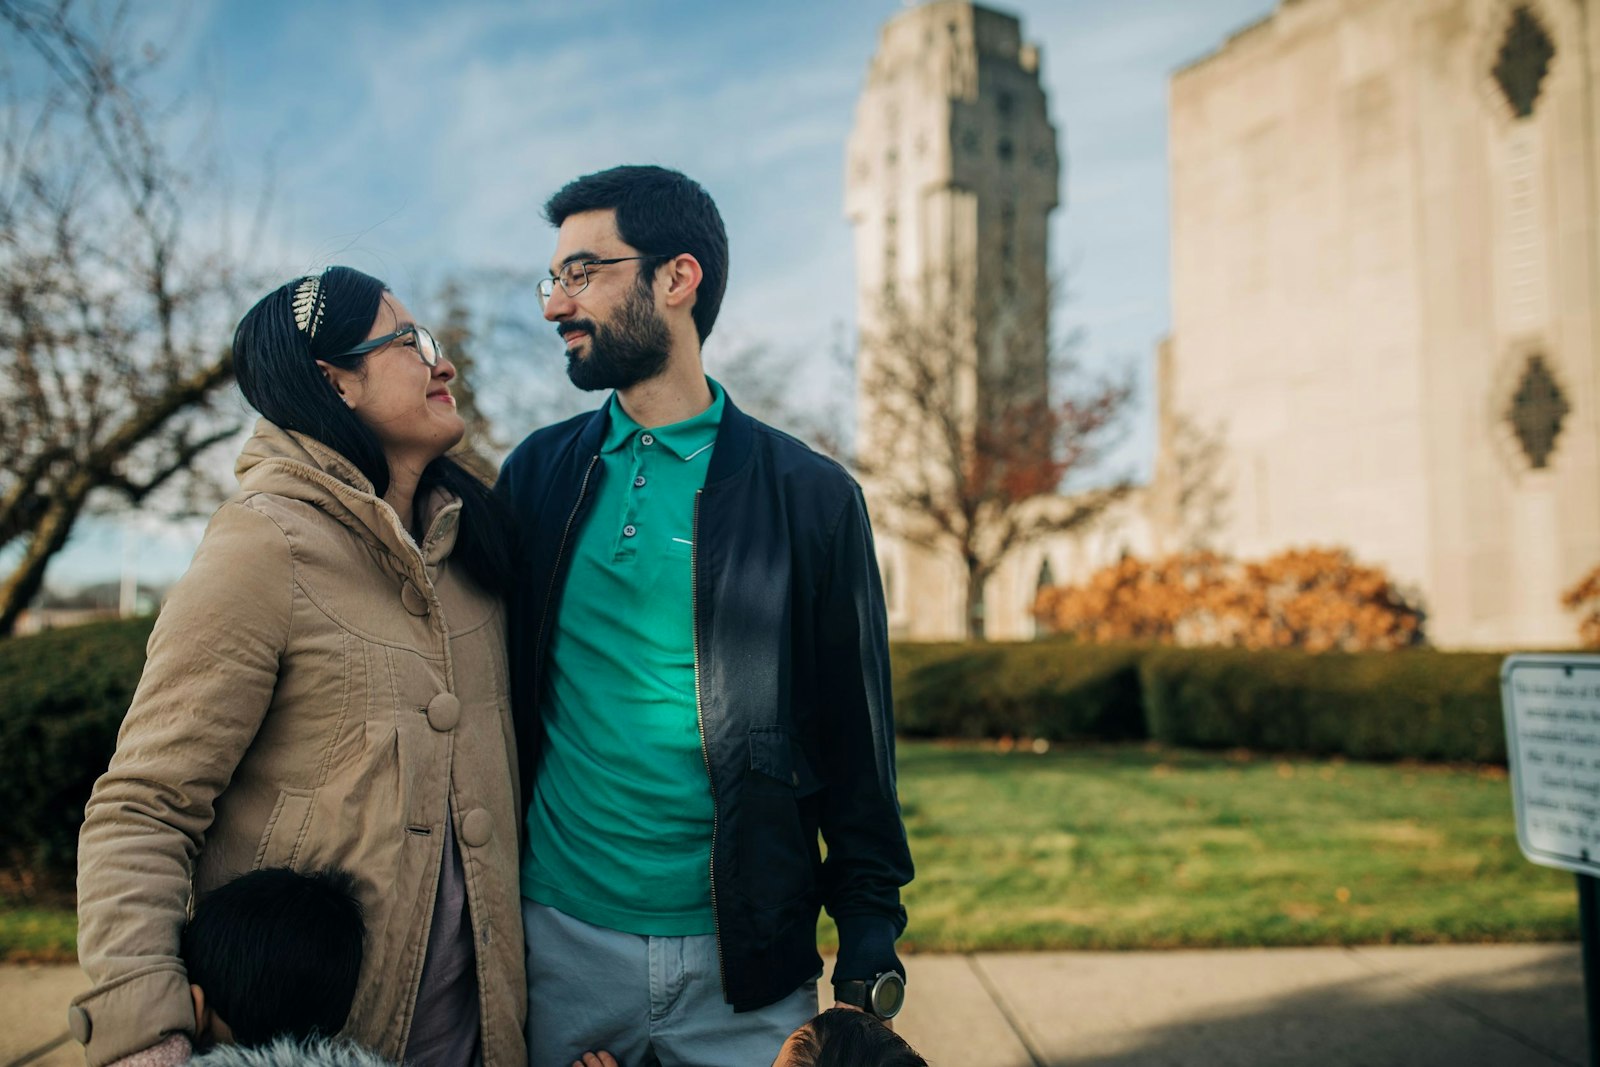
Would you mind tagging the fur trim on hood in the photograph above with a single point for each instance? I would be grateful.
(287, 1052)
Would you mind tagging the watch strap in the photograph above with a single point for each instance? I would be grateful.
(853, 992)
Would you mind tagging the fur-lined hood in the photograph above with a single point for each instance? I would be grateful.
(287, 1052)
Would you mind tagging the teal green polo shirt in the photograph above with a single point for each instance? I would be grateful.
(619, 824)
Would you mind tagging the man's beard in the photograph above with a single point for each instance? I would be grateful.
(630, 349)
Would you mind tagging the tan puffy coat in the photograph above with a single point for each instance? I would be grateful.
(316, 689)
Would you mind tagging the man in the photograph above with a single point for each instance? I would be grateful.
(701, 671)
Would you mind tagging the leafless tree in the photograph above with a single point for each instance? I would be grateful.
(480, 450)
(117, 286)
(973, 422)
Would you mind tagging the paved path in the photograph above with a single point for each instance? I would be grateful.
(1461, 1006)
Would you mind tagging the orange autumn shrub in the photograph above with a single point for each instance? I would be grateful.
(1317, 599)
(1585, 597)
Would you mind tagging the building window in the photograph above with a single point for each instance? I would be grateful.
(1006, 151)
(1047, 577)
(1536, 412)
(1524, 60)
(1005, 103)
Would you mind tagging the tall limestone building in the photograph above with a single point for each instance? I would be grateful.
(1385, 265)
(952, 173)
(1385, 281)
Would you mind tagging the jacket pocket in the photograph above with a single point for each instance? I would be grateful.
(280, 841)
(776, 861)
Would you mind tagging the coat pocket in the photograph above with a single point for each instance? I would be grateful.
(280, 841)
(776, 858)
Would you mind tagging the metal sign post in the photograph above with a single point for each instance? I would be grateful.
(1589, 924)
(1552, 718)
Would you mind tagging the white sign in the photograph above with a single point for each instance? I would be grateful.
(1552, 715)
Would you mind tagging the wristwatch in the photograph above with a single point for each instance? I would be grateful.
(883, 994)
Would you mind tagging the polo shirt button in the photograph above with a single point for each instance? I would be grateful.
(647, 439)
(78, 1022)
(444, 711)
(477, 826)
(629, 531)
(638, 482)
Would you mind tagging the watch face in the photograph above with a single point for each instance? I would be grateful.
(888, 995)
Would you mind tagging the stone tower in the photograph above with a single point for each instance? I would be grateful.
(952, 173)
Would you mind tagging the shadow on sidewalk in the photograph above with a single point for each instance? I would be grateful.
(1530, 1015)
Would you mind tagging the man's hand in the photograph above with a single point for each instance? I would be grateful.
(889, 1023)
(596, 1059)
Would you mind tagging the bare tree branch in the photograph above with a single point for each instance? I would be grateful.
(962, 445)
(115, 292)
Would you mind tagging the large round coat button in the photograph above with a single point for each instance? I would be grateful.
(444, 711)
(78, 1023)
(477, 826)
(413, 599)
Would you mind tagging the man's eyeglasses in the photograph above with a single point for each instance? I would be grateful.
(428, 349)
(574, 276)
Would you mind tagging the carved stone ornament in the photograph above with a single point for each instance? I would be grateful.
(1523, 61)
(1536, 412)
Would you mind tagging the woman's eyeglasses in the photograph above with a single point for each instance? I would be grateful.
(428, 349)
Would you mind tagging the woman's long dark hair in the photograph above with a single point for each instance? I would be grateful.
(276, 365)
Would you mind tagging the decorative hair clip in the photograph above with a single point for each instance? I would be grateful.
(308, 304)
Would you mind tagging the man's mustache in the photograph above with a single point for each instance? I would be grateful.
(575, 326)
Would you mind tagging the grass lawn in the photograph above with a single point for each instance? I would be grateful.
(1139, 847)
(41, 934)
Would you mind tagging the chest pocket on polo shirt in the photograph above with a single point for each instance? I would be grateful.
(662, 569)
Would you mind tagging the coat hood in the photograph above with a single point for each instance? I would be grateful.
(293, 465)
(287, 1052)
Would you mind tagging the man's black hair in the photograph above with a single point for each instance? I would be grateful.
(659, 212)
(842, 1037)
(277, 953)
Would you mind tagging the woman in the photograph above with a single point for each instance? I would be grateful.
(325, 687)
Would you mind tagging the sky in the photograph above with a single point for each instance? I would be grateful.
(415, 140)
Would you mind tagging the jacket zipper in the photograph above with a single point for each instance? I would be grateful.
(699, 714)
(561, 550)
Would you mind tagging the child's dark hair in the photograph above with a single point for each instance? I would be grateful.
(277, 953)
(842, 1037)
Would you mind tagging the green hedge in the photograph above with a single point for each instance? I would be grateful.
(1416, 704)
(63, 694)
(1050, 689)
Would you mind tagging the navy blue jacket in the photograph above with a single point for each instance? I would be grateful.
(792, 674)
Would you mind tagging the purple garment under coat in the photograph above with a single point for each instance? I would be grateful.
(444, 1026)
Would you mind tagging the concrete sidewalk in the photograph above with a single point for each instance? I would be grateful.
(1462, 1006)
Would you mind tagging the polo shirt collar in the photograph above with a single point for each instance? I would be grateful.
(683, 439)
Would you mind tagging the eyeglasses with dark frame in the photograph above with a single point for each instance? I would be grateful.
(574, 276)
(428, 349)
